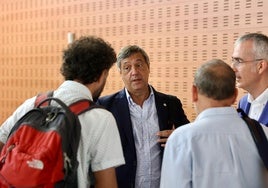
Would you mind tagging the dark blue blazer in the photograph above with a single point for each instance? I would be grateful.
(169, 110)
(245, 105)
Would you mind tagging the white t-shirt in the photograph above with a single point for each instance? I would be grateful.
(100, 145)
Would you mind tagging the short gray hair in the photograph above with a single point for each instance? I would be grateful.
(260, 44)
(215, 79)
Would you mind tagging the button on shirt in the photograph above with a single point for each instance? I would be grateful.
(145, 126)
(257, 105)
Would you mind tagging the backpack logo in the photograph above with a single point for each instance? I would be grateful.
(35, 163)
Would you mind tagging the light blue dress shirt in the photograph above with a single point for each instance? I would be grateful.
(215, 151)
(145, 126)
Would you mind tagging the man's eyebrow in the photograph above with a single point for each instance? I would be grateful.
(137, 60)
(140, 59)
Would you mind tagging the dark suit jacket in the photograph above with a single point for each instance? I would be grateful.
(245, 105)
(169, 110)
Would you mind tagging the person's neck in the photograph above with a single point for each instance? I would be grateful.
(256, 92)
(258, 88)
(140, 96)
(205, 102)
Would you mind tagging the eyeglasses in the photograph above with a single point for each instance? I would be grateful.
(236, 61)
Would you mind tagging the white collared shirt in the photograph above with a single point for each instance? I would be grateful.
(214, 151)
(258, 104)
(145, 126)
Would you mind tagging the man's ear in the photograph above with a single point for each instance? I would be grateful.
(104, 75)
(194, 93)
(262, 66)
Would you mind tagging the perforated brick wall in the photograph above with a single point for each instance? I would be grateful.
(179, 35)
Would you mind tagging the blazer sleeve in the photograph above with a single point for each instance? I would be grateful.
(176, 114)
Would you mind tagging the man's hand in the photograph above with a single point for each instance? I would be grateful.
(163, 136)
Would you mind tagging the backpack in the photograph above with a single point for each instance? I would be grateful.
(42, 146)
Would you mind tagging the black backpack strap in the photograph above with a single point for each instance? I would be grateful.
(77, 107)
(258, 135)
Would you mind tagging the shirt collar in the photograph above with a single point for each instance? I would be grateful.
(262, 98)
(69, 85)
(130, 100)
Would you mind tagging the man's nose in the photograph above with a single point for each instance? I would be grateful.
(234, 66)
(134, 69)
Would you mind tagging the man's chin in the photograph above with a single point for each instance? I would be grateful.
(96, 97)
(238, 83)
(138, 85)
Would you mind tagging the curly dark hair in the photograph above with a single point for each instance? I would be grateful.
(86, 58)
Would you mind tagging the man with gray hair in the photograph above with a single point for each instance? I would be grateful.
(145, 118)
(250, 63)
(217, 149)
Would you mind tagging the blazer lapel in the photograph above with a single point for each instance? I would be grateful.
(162, 109)
(124, 117)
(264, 116)
(247, 107)
(244, 104)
